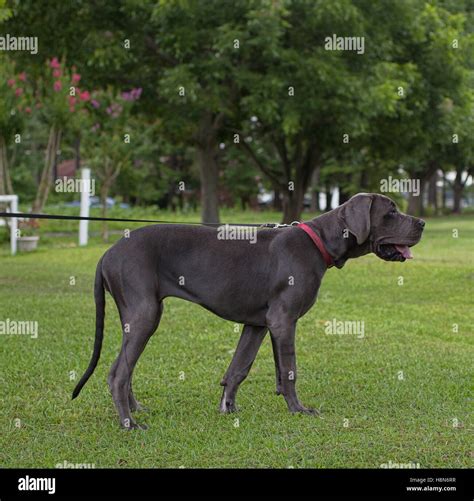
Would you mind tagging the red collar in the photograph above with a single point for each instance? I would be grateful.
(318, 242)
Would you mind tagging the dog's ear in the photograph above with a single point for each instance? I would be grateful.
(356, 216)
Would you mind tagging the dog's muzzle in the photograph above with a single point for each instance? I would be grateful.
(399, 250)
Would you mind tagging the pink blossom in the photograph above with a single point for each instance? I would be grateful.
(136, 93)
(72, 100)
(84, 96)
(76, 77)
(57, 86)
(22, 76)
(114, 110)
(71, 109)
(28, 109)
(133, 95)
(54, 63)
(18, 92)
(11, 82)
(56, 73)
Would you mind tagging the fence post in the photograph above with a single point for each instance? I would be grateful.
(85, 195)
(13, 225)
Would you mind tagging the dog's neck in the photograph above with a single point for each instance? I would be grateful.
(339, 242)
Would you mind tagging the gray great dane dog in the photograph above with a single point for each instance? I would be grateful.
(267, 286)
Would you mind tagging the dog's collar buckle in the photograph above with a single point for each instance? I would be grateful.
(318, 242)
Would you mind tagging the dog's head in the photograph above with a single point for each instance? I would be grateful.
(379, 227)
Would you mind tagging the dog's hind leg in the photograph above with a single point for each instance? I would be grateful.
(132, 401)
(249, 343)
(138, 327)
(135, 405)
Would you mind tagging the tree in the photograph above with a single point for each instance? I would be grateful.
(61, 102)
(442, 53)
(109, 138)
(193, 42)
(313, 107)
(13, 107)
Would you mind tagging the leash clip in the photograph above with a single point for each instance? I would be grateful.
(279, 225)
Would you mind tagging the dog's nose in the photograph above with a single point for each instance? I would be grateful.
(421, 223)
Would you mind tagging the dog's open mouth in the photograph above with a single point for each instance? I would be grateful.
(394, 252)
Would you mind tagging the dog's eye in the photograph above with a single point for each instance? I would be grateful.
(393, 212)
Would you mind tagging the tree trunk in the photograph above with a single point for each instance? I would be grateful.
(328, 199)
(343, 195)
(443, 193)
(205, 140)
(209, 173)
(314, 190)
(458, 188)
(277, 204)
(433, 192)
(46, 175)
(77, 153)
(6, 187)
(315, 201)
(364, 181)
(292, 205)
(8, 179)
(415, 204)
(3, 165)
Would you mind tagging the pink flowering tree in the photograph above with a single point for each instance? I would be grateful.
(15, 104)
(62, 104)
(108, 140)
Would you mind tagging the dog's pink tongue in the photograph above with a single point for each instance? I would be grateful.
(404, 250)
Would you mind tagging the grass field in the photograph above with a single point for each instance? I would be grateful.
(400, 394)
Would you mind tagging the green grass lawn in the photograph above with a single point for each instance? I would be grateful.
(395, 395)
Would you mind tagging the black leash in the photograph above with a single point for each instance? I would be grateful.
(126, 220)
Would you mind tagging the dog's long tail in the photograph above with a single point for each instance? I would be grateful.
(99, 294)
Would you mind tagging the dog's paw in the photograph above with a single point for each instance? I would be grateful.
(137, 407)
(228, 407)
(300, 409)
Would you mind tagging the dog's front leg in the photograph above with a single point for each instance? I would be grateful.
(282, 332)
(249, 343)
